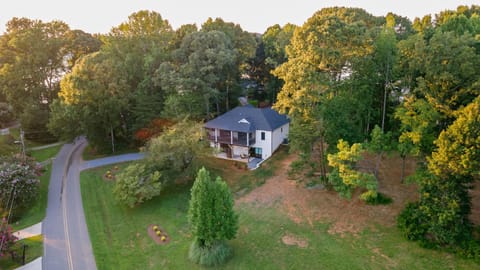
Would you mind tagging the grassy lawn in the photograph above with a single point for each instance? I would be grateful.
(33, 251)
(120, 240)
(44, 154)
(7, 147)
(240, 179)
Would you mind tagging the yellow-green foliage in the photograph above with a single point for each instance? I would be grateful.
(344, 177)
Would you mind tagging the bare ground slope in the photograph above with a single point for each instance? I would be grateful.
(345, 216)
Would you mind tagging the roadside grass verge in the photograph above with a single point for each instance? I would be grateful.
(266, 236)
(33, 250)
(7, 146)
(44, 154)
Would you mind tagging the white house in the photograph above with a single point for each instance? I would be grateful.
(248, 133)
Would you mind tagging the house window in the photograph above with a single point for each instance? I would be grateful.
(262, 136)
(281, 130)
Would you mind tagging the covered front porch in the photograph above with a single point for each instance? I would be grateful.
(231, 137)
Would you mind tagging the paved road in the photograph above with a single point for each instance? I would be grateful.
(55, 252)
(67, 243)
(110, 160)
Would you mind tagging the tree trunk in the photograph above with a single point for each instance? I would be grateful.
(377, 164)
(385, 98)
(113, 140)
(226, 101)
(323, 169)
(207, 108)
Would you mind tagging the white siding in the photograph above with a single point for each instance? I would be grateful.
(266, 144)
(279, 135)
(272, 140)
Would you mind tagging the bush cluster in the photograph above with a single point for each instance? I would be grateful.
(214, 255)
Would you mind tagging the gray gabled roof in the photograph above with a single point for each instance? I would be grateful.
(248, 119)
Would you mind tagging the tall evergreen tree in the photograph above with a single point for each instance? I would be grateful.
(212, 219)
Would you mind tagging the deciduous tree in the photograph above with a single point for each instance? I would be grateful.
(137, 184)
(175, 153)
(344, 176)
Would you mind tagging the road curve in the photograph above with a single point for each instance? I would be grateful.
(66, 240)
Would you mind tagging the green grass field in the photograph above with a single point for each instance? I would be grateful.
(120, 240)
(44, 154)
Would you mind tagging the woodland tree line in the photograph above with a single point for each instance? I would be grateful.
(345, 77)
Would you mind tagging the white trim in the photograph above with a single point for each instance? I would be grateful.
(243, 121)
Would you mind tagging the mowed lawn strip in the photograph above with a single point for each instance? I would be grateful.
(46, 153)
(120, 240)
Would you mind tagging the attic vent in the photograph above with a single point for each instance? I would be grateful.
(243, 121)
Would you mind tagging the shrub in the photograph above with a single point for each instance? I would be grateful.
(213, 255)
(296, 167)
(7, 237)
(470, 249)
(18, 181)
(379, 199)
(136, 185)
(410, 222)
(344, 190)
(154, 128)
(344, 178)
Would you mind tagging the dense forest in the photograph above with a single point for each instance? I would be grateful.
(344, 78)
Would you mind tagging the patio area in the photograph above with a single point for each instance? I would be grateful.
(252, 162)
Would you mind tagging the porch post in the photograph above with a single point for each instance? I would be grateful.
(231, 137)
(248, 142)
(215, 134)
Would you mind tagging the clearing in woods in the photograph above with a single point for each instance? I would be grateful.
(304, 205)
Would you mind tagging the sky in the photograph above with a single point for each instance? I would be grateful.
(99, 16)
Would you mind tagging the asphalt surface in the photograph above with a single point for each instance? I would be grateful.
(66, 241)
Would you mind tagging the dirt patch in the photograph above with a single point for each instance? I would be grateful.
(391, 264)
(345, 216)
(292, 240)
(162, 238)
